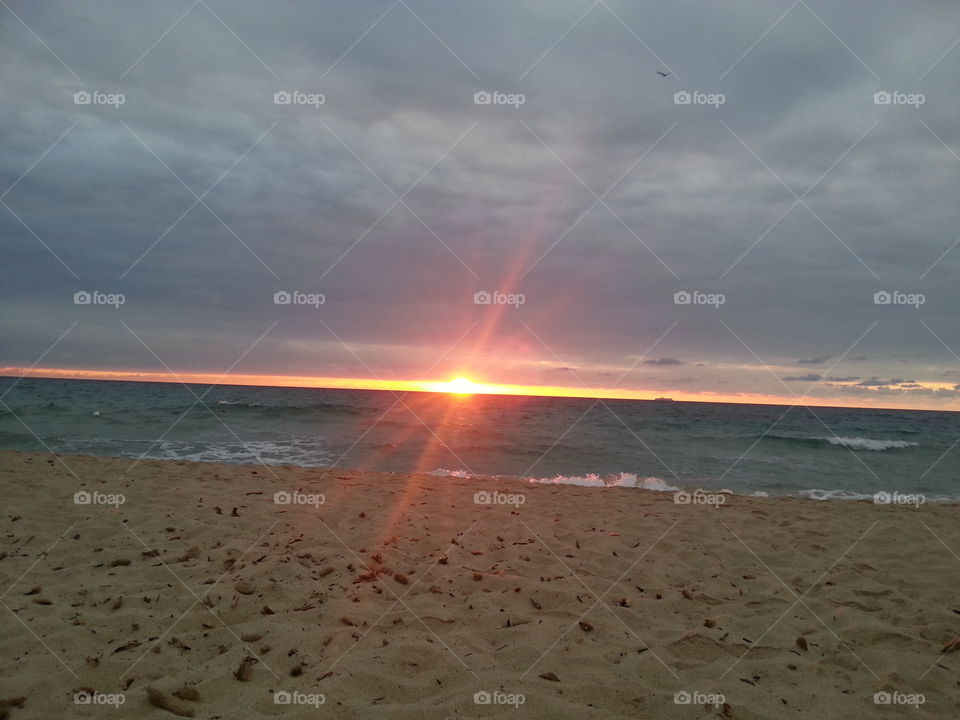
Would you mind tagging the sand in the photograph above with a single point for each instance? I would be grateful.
(401, 597)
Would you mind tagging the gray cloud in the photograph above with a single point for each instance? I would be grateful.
(663, 362)
(304, 198)
(875, 382)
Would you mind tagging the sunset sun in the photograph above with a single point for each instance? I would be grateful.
(460, 385)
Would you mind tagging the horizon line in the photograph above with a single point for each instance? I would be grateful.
(435, 386)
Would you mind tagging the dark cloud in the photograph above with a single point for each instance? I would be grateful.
(814, 360)
(664, 361)
(875, 382)
(888, 392)
(814, 377)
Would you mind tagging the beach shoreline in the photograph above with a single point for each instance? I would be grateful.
(363, 594)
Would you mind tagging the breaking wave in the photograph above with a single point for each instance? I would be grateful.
(853, 443)
(622, 480)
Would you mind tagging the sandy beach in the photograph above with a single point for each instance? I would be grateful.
(217, 591)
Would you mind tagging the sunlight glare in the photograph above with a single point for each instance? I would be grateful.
(461, 386)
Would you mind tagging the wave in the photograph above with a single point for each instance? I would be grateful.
(859, 443)
(301, 453)
(443, 472)
(257, 410)
(853, 443)
(657, 484)
(628, 480)
(818, 494)
(631, 480)
(622, 480)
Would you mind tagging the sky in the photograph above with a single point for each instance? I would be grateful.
(746, 201)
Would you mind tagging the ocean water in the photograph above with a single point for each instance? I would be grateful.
(823, 453)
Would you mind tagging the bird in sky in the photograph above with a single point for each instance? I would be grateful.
(661, 73)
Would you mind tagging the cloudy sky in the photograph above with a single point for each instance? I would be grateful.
(760, 223)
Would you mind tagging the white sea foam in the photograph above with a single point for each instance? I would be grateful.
(859, 443)
(443, 472)
(621, 480)
(818, 494)
(303, 453)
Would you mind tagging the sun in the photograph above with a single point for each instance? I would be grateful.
(461, 386)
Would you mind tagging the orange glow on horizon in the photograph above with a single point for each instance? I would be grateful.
(457, 386)
(462, 386)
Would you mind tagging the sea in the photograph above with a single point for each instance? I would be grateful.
(763, 450)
